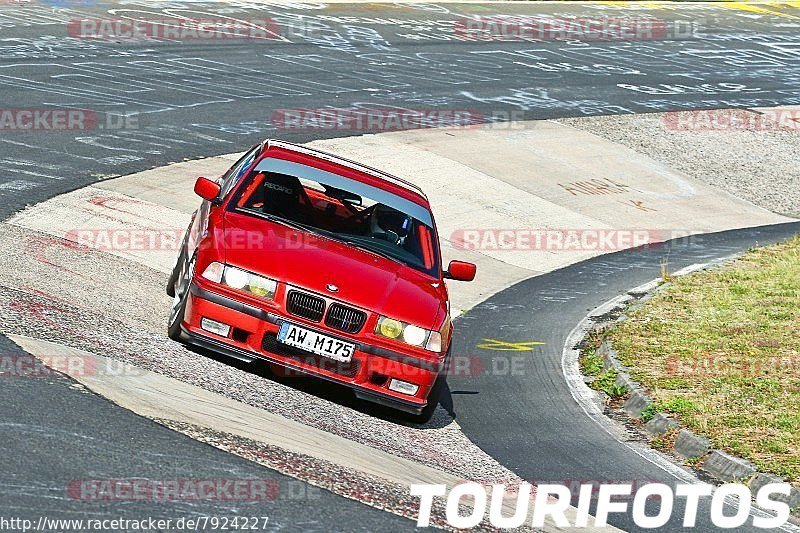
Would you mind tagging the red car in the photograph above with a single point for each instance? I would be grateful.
(322, 266)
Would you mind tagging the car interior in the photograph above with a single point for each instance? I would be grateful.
(341, 214)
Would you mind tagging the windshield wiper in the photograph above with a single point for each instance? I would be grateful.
(360, 246)
(288, 223)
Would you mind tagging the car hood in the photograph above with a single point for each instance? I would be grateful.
(363, 279)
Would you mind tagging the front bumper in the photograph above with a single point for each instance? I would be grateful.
(253, 337)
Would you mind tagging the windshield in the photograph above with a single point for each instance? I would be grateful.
(340, 208)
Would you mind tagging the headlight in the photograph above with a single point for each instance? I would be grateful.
(409, 334)
(414, 335)
(241, 280)
(236, 278)
(263, 287)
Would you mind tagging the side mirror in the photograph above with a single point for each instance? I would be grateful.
(460, 271)
(206, 189)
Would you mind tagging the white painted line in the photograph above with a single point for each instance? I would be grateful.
(615, 303)
(689, 269)
(644, 288)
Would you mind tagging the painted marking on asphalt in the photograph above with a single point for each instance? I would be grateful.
(18, 185)
(746, 6)
(504, 346)
(639, 204)
(594, 186)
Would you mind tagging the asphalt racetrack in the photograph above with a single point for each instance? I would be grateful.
(160, 101)
(195, 98)
(527, 418)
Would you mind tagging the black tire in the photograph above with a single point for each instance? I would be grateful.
(171, 281)
(173, 277)
(433, 401)
(180, 293)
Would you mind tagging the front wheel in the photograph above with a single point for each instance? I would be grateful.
(433, 400)
(180, 295)
(176, 270)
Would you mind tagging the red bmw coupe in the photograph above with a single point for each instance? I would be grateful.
(323, 266)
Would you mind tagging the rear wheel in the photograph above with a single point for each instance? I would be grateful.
(180, 293)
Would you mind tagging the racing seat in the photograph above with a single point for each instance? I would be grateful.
(285, 197)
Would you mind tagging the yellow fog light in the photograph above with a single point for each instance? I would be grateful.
(262, 287)
(388, 327)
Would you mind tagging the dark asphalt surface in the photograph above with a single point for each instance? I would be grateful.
(528, 420)
(193, 99)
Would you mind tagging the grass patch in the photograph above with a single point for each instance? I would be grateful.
(591, 364)
(606, 382)
(720, 351)
(649, 412)
(665, 442)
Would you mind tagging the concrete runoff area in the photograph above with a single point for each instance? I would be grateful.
(535, 176)
(524, 183)
(750, 153)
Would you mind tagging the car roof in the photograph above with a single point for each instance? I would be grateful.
(387, 179)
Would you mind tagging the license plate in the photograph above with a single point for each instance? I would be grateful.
(316, 343)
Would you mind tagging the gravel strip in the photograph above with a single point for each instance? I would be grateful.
(759, 166)
(112, 307)
(371, 490)
(349, 483)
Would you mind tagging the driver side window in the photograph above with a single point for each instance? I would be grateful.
(238, 170)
